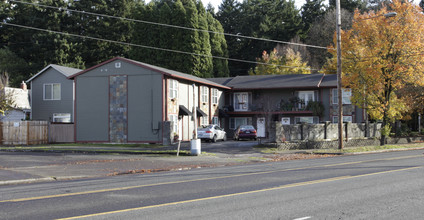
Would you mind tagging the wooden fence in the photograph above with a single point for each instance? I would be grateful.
(24, 132)
(61, 133)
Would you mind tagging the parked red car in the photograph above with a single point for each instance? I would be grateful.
(245, 132)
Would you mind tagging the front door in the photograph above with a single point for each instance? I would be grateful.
(261, 127)
(118, 109)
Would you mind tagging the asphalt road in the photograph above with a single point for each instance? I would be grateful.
(369, 186)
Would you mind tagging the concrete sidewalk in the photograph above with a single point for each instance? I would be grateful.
(54, 163)
(20, 165)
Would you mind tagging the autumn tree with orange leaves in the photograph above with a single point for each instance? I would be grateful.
(380, 57)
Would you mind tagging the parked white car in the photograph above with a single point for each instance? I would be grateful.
(211, 133)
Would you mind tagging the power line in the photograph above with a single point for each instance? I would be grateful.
(150, 47)
(169, 25)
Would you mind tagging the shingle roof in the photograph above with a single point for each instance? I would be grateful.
(330, 80)
(274, 81)
(221, 80)
(66, 71)
(278, 81)
(171, 73)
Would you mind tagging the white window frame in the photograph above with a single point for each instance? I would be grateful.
(204, 94)
(52, 91)
(204, 120)
(241, 101)
(306, 119)
(173, 88)
(214, 96)
(346, 95)
(174, 118)
(303, 95)
(346, 118)
(57, 116)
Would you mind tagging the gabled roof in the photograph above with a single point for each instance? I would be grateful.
(167, 72)
(19, 97)
(272, 81)
(66, 71)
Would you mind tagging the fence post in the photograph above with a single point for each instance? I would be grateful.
(347, 125)
(326, 123)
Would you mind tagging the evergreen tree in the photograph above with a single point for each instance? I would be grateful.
(229, 16)
(93, 51)
(271, 19)
(38, 48)
(218, 47)
(312, 11)
(186, 13)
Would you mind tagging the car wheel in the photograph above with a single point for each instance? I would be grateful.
(224, 138)
(214, 139)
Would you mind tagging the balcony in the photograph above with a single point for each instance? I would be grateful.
(315, 108)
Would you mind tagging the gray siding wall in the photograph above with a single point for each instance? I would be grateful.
(144, 103)
(92, 108)
(44, 109)
(145, 106)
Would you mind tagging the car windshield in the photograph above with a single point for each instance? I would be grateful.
(247, 127)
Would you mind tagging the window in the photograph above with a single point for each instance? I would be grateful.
(241, 101)
(215, 120)
(308, 120)
(306, 97)
(173, 88)
(204, 94)
(214, 96)
(204, 120)
(235, 122)
(345, 119)
(346, 94)
(62, 117)
(174, 119)
(52, 91)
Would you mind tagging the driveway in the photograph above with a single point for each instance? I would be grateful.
(230, 147)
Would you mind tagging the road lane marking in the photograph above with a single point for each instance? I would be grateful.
(304, 218)
(195, 180)
(241, 193)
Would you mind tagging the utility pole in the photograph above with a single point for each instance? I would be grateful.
(339, 74)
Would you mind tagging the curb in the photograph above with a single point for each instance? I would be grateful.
(92, 151)
(39, 180)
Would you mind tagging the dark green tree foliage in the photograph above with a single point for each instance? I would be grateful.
(93, 51)
(218, 47)
(12, 65)
(38, 48)
(229, 15)
(270, 19)
(312, 10)
(187, 13)
(421, 4)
